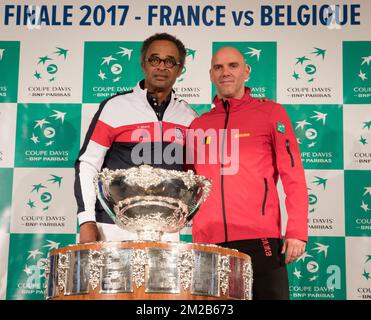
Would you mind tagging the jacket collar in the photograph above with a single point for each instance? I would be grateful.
(235, 104)
(143, 95)
(143, 92)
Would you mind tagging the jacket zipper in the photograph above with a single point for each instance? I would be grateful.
(161, 134)
(289, 152)
(265, 195)
(226, 106)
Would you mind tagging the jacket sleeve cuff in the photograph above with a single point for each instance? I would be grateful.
(292, 235)
(86, 216)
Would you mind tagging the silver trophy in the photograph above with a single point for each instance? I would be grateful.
(151, 201)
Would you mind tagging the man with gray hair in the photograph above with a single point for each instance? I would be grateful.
(143, 126)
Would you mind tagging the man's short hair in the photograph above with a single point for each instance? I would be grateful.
(164, 36)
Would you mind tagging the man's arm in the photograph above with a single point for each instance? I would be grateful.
(91, 157)
(89, 232)
(292, 175)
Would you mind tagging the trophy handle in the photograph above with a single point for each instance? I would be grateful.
(103, 201)
(190, 216)
(203, 187)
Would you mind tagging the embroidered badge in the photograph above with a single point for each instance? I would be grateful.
(242, 135)
(280, 127)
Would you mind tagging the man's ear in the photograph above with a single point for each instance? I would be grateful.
(248, 71)
(180, 71)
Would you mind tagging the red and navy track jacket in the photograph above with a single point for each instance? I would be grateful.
(121, 124)
(245, 205)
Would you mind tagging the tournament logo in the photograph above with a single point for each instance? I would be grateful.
(39, 208)
(36, 264)
(357, 72)
(49, 65)
(363, 156)
(48, 135)
(367, 268)
(307, 131)
(358, 202)
(365, 136)
(40, 195)
(319, 134)
(190, 57)
(366, 205)
(43, 201)
(306, 66)
(110, 67)
(49, 75)
(319, 274)
(28, 277)
(44, 131)
(188, 86)
(308, 69)
(313, 198)
(262, 59)
(326, 212)
(365, 291)
(9, 67)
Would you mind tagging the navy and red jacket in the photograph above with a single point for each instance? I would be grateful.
(243, 202)
(126, 130)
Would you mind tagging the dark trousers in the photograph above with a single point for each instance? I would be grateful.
(270, 280)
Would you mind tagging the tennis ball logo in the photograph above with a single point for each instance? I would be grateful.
(52, 68)
(46, 197)
(310, 69)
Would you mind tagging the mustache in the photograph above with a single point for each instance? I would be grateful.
(160, 74)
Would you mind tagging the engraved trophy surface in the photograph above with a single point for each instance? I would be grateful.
(151, 201)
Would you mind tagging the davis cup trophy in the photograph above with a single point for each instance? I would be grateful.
(150, 202)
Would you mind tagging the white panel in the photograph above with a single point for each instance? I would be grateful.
(40, 203)
(357, 137)
(358, 264)
(8, 119)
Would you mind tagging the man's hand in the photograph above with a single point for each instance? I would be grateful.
(89, 232)
(294, 248)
